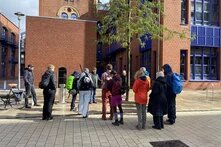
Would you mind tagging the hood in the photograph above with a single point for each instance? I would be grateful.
(167, 69)
(143, 78)
(161, 80)
(116, 77)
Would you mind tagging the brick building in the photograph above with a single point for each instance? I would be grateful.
(198, 61)
(65, 35)
(9, 49)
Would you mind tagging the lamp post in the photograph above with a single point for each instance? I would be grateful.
(19, 15)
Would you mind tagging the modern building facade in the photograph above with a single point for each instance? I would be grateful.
(9, 49)
(197, 60)
(65, 34)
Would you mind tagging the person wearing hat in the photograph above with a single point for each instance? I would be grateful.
(29, 85)
(158, 101)
(141, 87)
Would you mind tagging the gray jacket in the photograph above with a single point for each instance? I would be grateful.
(28, 77)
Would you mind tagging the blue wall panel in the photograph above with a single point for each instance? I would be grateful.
(205, 36)
(148, 43)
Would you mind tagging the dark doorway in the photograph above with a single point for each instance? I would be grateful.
(62, 75)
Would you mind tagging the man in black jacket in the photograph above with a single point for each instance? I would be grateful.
(29, 85)
(49, 93)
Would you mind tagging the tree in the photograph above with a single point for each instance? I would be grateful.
(134, 18)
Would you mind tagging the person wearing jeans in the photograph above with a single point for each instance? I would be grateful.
(85, 85)
(141, 87)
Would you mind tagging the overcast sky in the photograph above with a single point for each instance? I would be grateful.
(28, 7)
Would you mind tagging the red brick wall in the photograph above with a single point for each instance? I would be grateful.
(51, 7)
(12, 28)
(64, 43)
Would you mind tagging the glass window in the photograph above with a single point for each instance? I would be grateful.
(205, 12)
(183, 64)
(203, 63)
(74, 16)
(64, 15)
(184, 12)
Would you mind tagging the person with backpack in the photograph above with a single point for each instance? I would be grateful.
(171, 96)
(114, 86)
(85, 86)
(71, 86)
(49, 90)
(141, 87)
(158, 101)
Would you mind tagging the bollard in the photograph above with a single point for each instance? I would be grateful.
(62, 93)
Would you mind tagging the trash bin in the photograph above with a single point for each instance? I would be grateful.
(62, 93)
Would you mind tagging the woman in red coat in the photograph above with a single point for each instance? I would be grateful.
(141, 87)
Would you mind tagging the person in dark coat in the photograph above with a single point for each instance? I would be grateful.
(74, 90)
(158, 101)
(171, 96)
(49, 93)
(29, 85)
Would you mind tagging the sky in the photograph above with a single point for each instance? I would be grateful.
(27, 7)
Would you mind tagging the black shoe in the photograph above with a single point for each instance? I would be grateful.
(28, 107)
(116, 123)
(72, 109)
(138, 128)
(95, 102)
(90, 102)
(85, 116)
(37, 105)
(168, 122)
(50, 118)
(155, 127)
(121, 121)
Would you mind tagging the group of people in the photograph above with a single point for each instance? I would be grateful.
(161, 100)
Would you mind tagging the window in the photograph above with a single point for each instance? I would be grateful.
(184, 12)
(74, 16)
(145, 60)
(183, 64)
(3, 61)
(203, 63)
(12, 37)
(4, 33)
(64, 15)
(205, 12)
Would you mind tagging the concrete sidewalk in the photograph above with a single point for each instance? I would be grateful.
(197, 125)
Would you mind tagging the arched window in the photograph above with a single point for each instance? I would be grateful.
(64, 15)
(74, 16)
(68, 12)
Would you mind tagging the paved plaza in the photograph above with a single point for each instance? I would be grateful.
(198, 125)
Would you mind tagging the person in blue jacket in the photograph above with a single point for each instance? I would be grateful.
(171, 96)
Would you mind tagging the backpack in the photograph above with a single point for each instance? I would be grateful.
(44, 81)
(85, 83)
(69, 82)
(177, 84)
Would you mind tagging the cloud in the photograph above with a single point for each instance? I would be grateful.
(28, 7)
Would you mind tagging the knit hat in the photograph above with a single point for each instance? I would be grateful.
(159, 74)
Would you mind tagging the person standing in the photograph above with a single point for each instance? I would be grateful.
(74, 90)
(29, 85)
(141, 87)
(95, 79)
(105, 93)
(49, 92)
(171, 96)
(114, 86)
(85, 85)
(158, 101)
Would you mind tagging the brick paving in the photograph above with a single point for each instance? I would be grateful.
(198, 125)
